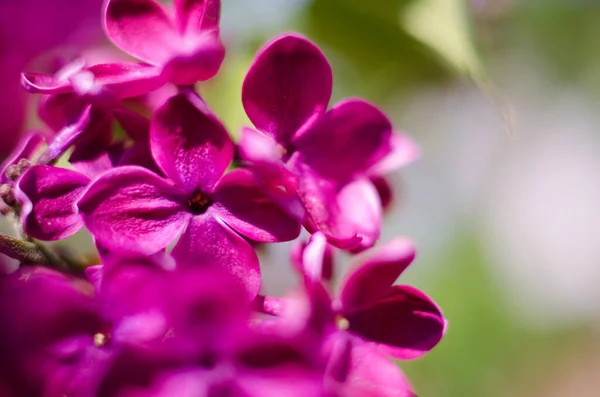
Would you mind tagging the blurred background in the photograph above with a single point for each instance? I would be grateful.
(502, 96)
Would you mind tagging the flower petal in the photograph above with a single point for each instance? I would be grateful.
(349, 139)
(130, 209)
(368, 372)
(359, 203)
(208, 241)
(141, 28)
(406, 321)
(403, 152)
(93, 160)
(287, 87)
(60, 110)
(375, 272)
(199, 60)
(122, 80)
(38, 83)
(49, 195)
(246, 209)
(264, 157)
(27, 147)
(319, 196)
(189, 144)
(196, 16)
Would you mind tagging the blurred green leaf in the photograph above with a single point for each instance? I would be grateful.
(382, 58)
(444, 26)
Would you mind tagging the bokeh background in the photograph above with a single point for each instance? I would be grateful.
(502, 96)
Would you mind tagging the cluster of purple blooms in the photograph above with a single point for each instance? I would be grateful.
(176, 208)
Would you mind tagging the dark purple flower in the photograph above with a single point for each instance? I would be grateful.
(184, 332)
(48, 195)
(47, 336)
(130, 209)
(184, 47)
(402, 320)
(304, 150)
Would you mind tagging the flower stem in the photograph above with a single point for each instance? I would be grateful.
(25, 251)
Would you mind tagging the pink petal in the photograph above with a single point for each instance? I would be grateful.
(377, 270)
(199, 59)
(29, 144)
(141, 28)
(287, 87)
(406, 321)
(38, 83)
(122, 80)
(130, 209)
(196, 16)
(49, 195)
(351, 137)
(208, 241)
(264, 157)
(189, 144)
(93, 159)
(246, 209)
(319, 196)
(60, 110)
(360, 204)
(369, 373)
(404, 151)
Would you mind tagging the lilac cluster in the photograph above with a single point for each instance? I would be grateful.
(176, 208)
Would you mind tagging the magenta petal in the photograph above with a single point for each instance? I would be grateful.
(359, 203)
(130, 209)
(403, 152)
(207, 240)
(141, 28)
(49, 195)
(351, 137)
(245, 208)
(319, 196)
(123, 80)
(406, 321)
(377, 270)
(369, 372)
(200, 60)
(44, 84)
(60, 110)
(28, 145)
(264, 156)
(287, 87)
(189, 144)
(194, 16)
(134, 124)
(94, 158)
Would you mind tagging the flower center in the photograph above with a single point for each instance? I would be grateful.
(101, 339)
(199, 203)
(342, 322)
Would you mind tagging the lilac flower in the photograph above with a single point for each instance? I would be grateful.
(48, 195)
(184, 47)
(369, 318)
(47, 336)
(402, 320)
(132, 209)
(185, 332)
(306, 150)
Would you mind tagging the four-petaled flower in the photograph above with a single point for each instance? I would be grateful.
(130, 209)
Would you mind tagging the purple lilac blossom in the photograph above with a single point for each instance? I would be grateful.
(312, 158)
(133, 209)
(183, 45)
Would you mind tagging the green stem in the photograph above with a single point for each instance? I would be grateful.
(25, 251)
